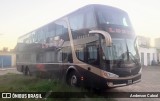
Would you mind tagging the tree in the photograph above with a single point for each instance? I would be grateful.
(5, 49)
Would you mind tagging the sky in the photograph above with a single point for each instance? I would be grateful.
(18, 17)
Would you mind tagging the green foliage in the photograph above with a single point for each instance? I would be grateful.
(20, 83)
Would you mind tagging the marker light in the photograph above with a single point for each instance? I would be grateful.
(82, 78)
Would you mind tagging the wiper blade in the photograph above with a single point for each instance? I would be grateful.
(132, 57)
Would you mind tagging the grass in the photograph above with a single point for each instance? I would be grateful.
(20, 83)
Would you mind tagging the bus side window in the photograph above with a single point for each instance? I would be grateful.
(92, 55)
(90, 20)
(77, 24)
(65, 55)
(80, 52)
(59, 59)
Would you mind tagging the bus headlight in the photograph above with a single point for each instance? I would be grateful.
(108, 74)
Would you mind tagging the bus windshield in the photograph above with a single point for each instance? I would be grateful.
(113, 17)
(121, 49)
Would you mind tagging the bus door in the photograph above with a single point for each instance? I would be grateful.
(93, 59)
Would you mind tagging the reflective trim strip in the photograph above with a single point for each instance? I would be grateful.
(118, 85)
(50, 63)
(137, 81)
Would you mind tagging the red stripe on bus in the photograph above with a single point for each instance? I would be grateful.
(41, 67)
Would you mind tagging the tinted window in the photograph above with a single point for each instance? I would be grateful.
(92, 54)
(39, 58)
(66, 55)
(76, 21)
(90, 20)
(50, 56)
(112, 16)
(36, 36)
(61, 28)
(80, 52)
(51, 29)
(40, 35)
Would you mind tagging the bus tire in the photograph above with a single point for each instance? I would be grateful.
(24, 71)
(28, 73)
(73, 79)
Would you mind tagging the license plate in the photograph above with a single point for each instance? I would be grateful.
(129, 81)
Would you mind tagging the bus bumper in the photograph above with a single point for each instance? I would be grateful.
(123, 81)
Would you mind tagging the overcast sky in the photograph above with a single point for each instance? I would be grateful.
(18, 17)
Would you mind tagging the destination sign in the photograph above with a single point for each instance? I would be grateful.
(119, 30)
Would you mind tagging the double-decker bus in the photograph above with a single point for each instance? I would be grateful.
(93, 46)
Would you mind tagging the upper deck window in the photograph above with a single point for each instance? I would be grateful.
(110, 16)
(90, 19)
(77, 21)
(82, 19)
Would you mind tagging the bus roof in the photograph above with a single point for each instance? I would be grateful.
(82, 8)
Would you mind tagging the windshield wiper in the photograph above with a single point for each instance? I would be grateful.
(132, 57)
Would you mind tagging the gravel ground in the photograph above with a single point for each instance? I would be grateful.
(150, 83)
(9, 70)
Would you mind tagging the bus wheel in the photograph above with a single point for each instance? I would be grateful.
(28, 73)
(73, 79)
(24, 71)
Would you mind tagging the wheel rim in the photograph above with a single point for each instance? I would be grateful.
(73, 80)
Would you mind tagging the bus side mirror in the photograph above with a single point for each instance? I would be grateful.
(106, 35)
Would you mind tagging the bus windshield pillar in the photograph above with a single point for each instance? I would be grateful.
(106, 35)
